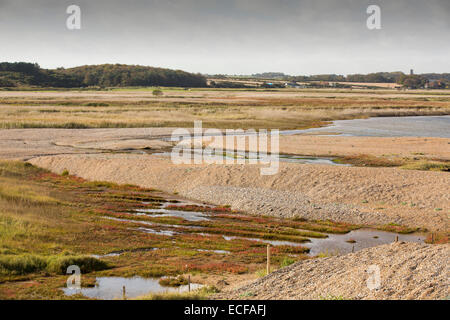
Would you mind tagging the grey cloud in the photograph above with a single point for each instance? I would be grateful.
(231, 36)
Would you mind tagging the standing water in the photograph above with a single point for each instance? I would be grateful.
(356, 240)
(420, 126)
(111, 288)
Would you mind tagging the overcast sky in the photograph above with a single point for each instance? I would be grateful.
(231, 36)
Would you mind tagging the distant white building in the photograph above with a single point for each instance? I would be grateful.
(294, 85)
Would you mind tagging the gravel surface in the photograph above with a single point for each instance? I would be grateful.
(285, 204)
(407, 271)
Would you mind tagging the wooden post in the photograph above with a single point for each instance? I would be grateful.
(432, 237)
(396, 238)
(189, 283)
(353, 248)
(268, 258)
(124, 293)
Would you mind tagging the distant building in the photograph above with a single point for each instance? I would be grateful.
(294, 85)
(291, 85)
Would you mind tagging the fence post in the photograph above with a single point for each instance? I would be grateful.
(189, 283)
(268, 258)
(124, 293)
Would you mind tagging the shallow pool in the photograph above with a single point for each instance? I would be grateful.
(186, 215)
(419, 126)
(110, 288)
(357, 240)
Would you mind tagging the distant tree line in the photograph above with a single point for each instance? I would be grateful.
(119, 75)
(106, 75)
(229, 85)
(429, 80)
(412, 81)
(436, 76)
(269, 75)
(379, 77)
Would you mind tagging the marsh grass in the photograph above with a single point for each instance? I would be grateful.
(394, 227)
(232, 109)
(438, 238)
(28, 263)
(50, 221)
(24, 195)
(59, 264)
(199, 294)
(21, 264)
(261, 273)
(173, 281)
(287, 262)
(327, 253)
(364, 160)
(403, 163)
(425, 165)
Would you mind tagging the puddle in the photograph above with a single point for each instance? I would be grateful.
(169, 233)
(365, 238)
(147, 230)
(272, 242)
(118, 253)
(110, 288)
(310, 160)
(155, 224)
(215, 251)
(135, 221)
(186, 215)
(337, 243)
(248, 156)
(178, 202)
(112, 254)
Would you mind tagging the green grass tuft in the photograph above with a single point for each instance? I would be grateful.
(173, 281)
(27, 263)
(59, 264)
